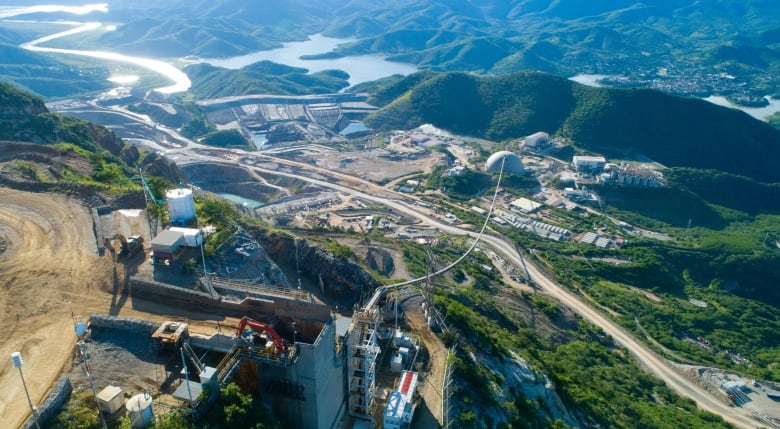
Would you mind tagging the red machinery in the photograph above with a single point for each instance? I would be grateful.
(280, 344)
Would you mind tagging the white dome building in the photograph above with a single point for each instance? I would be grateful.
(512, 163)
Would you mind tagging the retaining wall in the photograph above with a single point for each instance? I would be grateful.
(51, 406)
(143, 288)
(127, 323)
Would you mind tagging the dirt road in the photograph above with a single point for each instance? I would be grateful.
(430, 391)
(51, 260)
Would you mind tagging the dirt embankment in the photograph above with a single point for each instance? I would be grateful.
(49, 262)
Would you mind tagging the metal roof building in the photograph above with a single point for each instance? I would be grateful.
(167, 242)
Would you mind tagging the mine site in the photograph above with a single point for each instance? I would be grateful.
(106, 300)
(124, 302)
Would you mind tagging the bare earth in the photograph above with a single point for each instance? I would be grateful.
(51, 260)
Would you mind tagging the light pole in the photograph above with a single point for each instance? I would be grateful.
(16, 359)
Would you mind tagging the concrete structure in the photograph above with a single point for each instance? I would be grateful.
(536, 141)
(309, 394)
(589, 164)
(637, 175)
(181, 205)
(166, 246)
(110, 399)
(399, 410)
(512, 163)
(192, 236)
(524, 205)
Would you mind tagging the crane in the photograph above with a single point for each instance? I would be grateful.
(281, 345)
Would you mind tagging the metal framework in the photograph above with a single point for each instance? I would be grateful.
(362, 357)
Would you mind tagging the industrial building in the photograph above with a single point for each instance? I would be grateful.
(536, 142)
(294, 350)
(524, 206)
(512, 163)
(168, 245)
(400, 403)
(589, 164)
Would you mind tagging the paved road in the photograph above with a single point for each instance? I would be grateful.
(657, 365)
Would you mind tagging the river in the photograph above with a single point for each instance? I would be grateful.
(761, 113)
(361, 68)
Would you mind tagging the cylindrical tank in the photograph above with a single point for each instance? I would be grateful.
(140, 410)
(181, 205)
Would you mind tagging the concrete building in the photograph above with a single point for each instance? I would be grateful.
(589, 164)
(166, 247)
(306, 389)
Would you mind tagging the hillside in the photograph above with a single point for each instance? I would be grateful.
(710, 46)
(674, 131)
(263, 77)
(45, 76)
(40, 149)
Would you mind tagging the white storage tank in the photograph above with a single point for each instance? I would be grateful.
(181, 205)
(139, 408)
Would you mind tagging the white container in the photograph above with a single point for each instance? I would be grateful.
(192, 236)
(181, 205)
(110, 399)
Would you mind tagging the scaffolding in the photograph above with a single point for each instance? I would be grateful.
(361, 362)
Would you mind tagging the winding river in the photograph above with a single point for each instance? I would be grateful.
(361, 68)
(180, 80)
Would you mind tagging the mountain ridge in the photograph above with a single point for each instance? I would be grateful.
(675, 131)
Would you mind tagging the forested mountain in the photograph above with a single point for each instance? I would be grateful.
(263, 77)
(674, 131)
(709, 46)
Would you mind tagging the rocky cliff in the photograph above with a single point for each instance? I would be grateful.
(341, 278)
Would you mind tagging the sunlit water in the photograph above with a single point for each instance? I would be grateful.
(761, 113)
(361, 68)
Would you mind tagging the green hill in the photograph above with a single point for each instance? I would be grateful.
(263, 77)
(46, 76)
(49, 149)
(675, 131)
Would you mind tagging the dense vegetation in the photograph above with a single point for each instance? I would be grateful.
(621, 37)
(227, 138)
(710, 47)
(597, 381)
(263, 77)
(233, 408)
(45, 76)
(674, 131)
